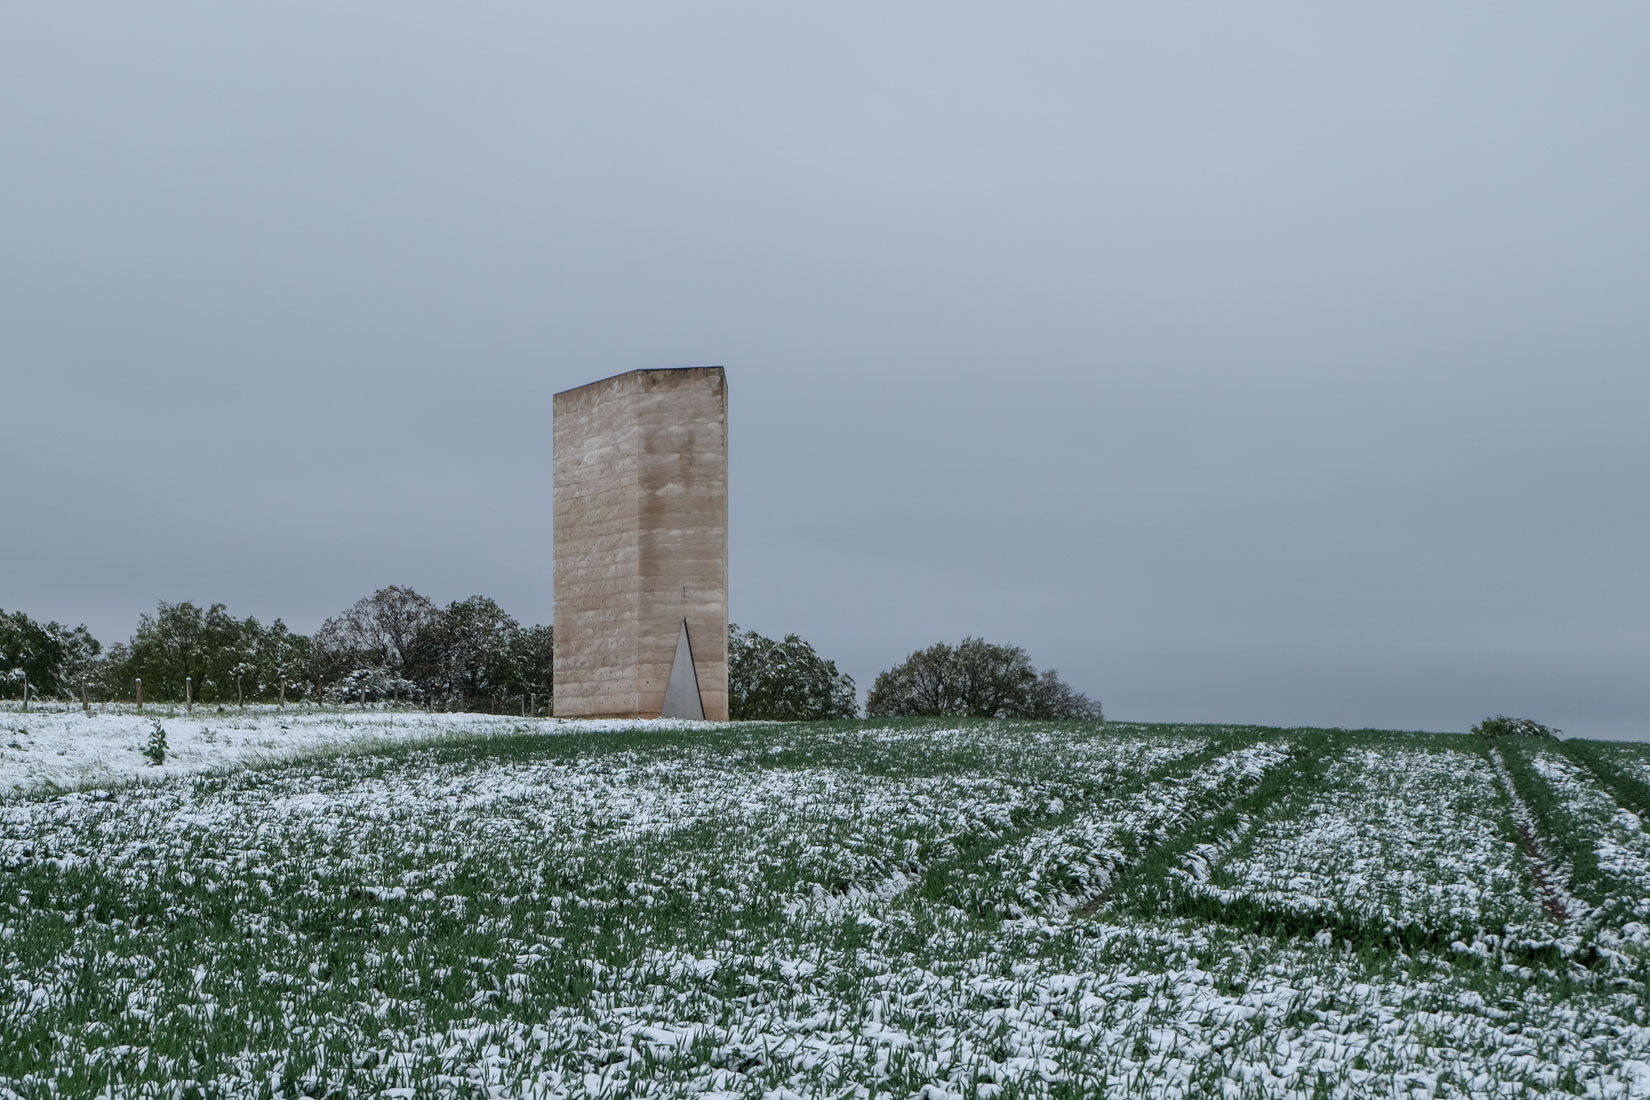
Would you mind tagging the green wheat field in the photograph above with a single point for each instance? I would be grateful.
(863, 909)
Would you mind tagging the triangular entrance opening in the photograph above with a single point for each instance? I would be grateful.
(682, 693)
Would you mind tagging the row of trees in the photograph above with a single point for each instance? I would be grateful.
(472, 655)
(788, 681)
(45, 659)
(223, 659)
(393, 644)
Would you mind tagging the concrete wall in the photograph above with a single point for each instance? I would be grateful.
(641, 540)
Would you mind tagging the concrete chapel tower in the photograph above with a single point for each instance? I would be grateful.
(641, 546)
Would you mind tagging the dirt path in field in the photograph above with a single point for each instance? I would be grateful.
(1556, 900)
(1552, 894)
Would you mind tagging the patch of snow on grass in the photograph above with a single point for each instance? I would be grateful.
(65, 748)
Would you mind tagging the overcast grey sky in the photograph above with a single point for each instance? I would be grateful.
(1264, 363)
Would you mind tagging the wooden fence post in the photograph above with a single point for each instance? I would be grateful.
(281, 702)
(25, 692)
(139, 682)
(189, 694)
(85, 703)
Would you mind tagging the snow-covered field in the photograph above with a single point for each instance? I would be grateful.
(1392, 836)
(61, 746)
(473, 907)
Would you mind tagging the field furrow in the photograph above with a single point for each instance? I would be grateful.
(1602, 845)
(1073, 862)
(1391, 839)
(1620, 768)
(1620, 847)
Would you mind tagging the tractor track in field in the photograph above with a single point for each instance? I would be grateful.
(1560, 905)
(935, 879)
(928, 877)
(1226, 822)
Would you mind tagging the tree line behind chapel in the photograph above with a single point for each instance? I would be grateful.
(397, 646)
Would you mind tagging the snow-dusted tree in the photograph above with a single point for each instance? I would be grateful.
(227, 658)
(392, 629)
(79, 667)
(975, 678)
(29, 649)
(1052, 697)
(531, 657)
(924, 683)
(1502, 726)
(181, 641)
(471, 654)
(280, 655)
(474, 640)
(370, 685)
(784, 680)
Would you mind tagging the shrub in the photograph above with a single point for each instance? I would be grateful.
(1052, 697)
(975, 678)
(784, 681)
(376, 684)
(1502, 726)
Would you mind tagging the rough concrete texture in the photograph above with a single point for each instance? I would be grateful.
(641, 540)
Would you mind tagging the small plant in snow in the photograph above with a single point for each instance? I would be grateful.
(155, 747)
